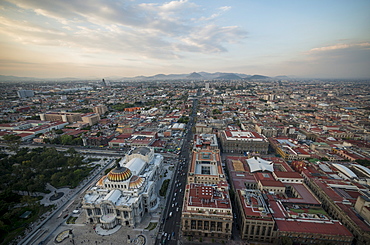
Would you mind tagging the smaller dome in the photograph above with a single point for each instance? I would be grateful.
(119, 174)
(136, 182)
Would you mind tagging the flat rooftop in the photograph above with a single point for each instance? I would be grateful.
(206, 196)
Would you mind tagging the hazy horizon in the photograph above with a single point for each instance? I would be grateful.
(128, 38)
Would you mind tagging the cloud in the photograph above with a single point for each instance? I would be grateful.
(346, 60)
(209, 39)
(162, 31)
(340, 46)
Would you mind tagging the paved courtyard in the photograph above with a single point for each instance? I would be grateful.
(90, 234)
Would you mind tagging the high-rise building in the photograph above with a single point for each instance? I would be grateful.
(100, 109)
(25, 93)
(90, 118)
(105, 83)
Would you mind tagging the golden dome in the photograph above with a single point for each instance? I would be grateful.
(136, 182)
(100, 182)
(119, 174)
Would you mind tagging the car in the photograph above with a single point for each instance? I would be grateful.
(173, 204)
(170, 215)
(177, 209)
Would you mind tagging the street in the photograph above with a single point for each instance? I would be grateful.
(171, 220)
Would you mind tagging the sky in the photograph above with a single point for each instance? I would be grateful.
(127, 38)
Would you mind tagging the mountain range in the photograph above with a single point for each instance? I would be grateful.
(201, 76)
(192, 76)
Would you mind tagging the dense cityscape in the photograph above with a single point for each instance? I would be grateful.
(230, 160)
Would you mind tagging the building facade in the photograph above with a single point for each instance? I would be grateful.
(100, 109)
(25, 93)
(256, 222)
(127, 192)
(91, 118)
(60, 116)
(207, 211)
(240, 141)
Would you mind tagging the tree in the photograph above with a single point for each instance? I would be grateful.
(363, 162)
(216, 111)
(12, 141)
(59, 131)
(66, 139)
(72, 151)
(183, 120)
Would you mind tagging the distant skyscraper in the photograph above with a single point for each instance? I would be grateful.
(105, 83)
(207, 86)
(25, 93)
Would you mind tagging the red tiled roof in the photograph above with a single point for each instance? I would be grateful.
(306, 197)
(294, 175)
(272, 183)
(331, 228)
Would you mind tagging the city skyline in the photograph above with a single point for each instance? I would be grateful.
(319, 39)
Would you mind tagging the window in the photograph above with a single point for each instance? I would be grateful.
(193, 224)
(200, 225)
(206, 225)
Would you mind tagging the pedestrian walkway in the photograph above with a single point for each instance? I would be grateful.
(103, 232)
(84, 233)
(47, 199)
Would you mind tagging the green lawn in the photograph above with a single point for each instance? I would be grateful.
(71, 220)
(151, 226)
(310, 211)
(317, 211)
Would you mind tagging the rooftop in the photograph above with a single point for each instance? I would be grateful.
(206, 196)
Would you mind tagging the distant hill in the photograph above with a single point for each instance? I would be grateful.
(217, 75)
(229, 76)
(164, 77)
(282, 77)
(194, 75)
(258, 77)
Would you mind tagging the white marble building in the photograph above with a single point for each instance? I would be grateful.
(127, 192)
